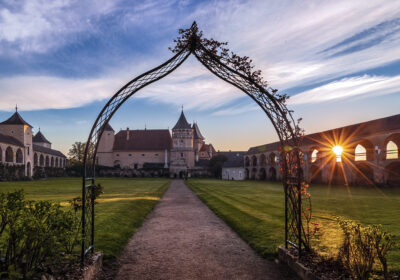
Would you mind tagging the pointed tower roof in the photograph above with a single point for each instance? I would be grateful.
(182, 123)
(16, 119)
(39, 138)
(108, 127)
(197, 133)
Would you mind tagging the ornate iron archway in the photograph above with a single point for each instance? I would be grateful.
(272, 104)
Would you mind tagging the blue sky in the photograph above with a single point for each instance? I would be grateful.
(61, 60)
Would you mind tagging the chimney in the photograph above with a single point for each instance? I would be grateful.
(211, 154)
(127, 133)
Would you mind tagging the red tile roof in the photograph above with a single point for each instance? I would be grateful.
(206, 148)
(143, 140)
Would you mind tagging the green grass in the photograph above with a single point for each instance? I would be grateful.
(120, 210)
(255, 210)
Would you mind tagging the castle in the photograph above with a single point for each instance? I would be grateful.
(185, 153)
(19, 147)
(369, 154)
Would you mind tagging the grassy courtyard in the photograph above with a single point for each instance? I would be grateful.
(120, 210)
(255, 211)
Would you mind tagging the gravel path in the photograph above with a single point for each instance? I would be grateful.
(183, 239)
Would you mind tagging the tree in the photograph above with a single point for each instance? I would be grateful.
(216, 164)
(77, 152)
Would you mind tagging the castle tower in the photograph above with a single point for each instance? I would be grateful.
(198, 140)
(16, 127)
(105, 149)
(182, 153)
(40, 140)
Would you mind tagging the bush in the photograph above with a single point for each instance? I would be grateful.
(34, 235)
(364, 246)
(12, 172)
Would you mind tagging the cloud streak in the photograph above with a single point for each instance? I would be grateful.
(360, 86)
(295, 43)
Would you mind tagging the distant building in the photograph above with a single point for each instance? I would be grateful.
(370, 155)
(184, 153)
(233, 168)
(18, 146)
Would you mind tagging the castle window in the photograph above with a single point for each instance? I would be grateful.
(392, 151)
(156, 155)
(117, 155)
(181, 154)
(135, 166)
(130, 155)
(143, 155)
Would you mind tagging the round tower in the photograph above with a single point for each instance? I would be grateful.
(105, 148)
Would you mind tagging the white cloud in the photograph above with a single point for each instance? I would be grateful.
(40, 25)
(284, 38)
(34, 93)
(360, 86)
(236, 110)
(197, 91)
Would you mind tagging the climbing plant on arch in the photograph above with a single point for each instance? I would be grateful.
(233, 69)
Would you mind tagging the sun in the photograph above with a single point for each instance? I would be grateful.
(338, 150)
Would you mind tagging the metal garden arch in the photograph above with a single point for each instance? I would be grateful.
(275, 109)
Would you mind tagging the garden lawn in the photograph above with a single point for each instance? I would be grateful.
(255, 210)
(120, 210)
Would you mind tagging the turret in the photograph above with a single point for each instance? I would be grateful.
(106, 142)
(182, 134)
(19, 129)
(105, 148)
(182, 154)
(40, 140)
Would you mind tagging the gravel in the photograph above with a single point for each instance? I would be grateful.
(183, 239)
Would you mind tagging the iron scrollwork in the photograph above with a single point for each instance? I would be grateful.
(273, 105)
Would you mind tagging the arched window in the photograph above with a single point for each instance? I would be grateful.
(35, 159)
(41, 160)
(47, 161)
(314, 155)
(19, 156)
(9, 155)
(263, 160)
(56, 162)
(1, 155)
(254, 160)
(392, 151)
(52, 162)
(272, 159)
(360, 153)
(247, 161)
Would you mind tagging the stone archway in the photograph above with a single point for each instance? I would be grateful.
(234, 70)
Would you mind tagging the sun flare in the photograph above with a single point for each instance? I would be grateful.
(338, 150)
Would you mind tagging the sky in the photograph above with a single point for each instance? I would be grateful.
(61, 60)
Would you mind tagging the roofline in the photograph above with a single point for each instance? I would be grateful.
(325, 131)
